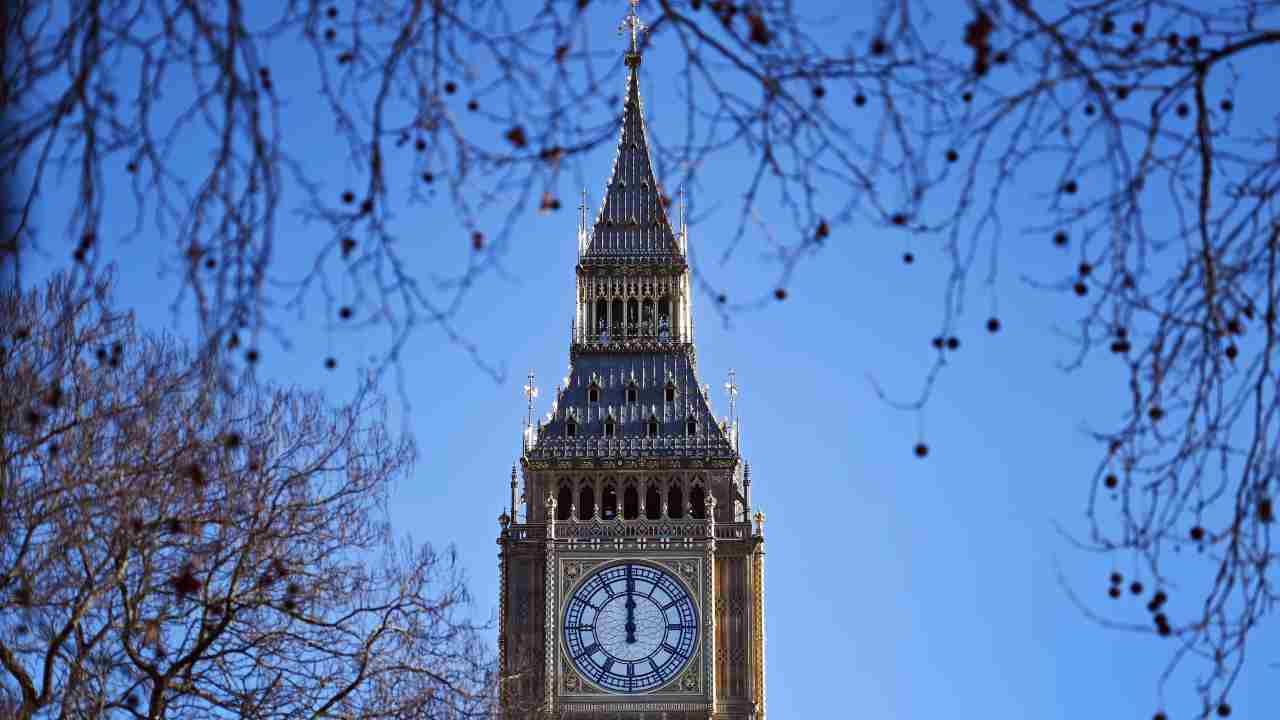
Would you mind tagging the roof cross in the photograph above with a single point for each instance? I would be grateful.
(632, 23)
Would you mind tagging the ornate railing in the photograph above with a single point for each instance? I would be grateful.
(548, 446)
(692, 529)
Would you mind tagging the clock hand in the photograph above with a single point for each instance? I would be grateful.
(631, 608)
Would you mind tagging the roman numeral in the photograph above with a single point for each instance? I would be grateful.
(678, 626)
(670, 649)
(588, 650)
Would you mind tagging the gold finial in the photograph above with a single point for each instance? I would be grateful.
(633, 24)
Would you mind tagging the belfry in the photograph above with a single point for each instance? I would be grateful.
(632, 573)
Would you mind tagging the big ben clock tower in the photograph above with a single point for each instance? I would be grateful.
(631, 570)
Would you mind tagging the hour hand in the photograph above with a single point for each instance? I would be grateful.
(631, 612)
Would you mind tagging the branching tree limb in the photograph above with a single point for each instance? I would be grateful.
(169, 550)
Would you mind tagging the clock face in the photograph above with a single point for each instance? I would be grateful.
(630, 628)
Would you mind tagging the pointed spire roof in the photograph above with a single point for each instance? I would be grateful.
(632, 224)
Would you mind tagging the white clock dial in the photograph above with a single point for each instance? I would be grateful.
(630, 628)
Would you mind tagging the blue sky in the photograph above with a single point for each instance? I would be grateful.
(896, 587)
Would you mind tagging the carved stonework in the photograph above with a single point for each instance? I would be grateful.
(632, 439)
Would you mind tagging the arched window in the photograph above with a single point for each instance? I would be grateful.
(608, 503)
(669, 392)
(571, 428)
(675, 502)
(633, 393)
(617, 317)
(593, 393)
(664, 309)
(586, 503)
(651, 427)
(610, 428)
(653, 503)
(564, 500)
(630, 504)
(690, 427)
(646, 316)
(633, 315)
(602, 315)
(698, 499)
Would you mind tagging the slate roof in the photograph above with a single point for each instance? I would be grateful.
(649, 374)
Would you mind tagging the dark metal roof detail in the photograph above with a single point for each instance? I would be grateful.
(647, 375)
(632, 224)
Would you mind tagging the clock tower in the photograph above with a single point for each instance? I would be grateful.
(632, 567)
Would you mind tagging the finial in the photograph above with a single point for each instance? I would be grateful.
(632, 23)
(513, 492)
(731, 388)
(759, 522)
(680, 194)
(504, 520)
(530, 392)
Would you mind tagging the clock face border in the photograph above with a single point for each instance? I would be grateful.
(686, 572)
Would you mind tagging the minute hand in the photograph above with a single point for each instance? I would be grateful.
(631, 608)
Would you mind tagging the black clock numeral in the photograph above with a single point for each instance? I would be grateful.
(653, 664)
(588, 650)
(678, 626)
(669, 648)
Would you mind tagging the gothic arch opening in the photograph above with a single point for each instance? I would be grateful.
(646, 316)
(602, 316)
(675, 502)
(571, 428)
(610, 427)
(564, 502)
(653, 503)
(690, 427)
(651, 427)
(630, 503)
(608, 503)
(698, 502)
(633, 316)
(617, 317)
(586, 502)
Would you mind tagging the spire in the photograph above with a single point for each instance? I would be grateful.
(632, 224)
